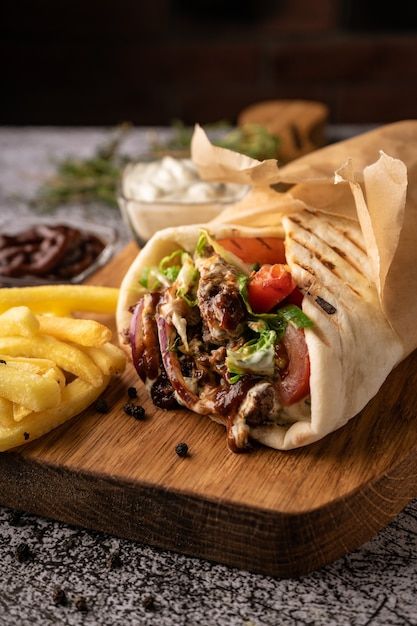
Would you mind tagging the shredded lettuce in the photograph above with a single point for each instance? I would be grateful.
(294, 315)
(205, 240)
(172, 272)
(152, 279)
(167, 266)
(167, 260)
(202, 243)
(256, 356)
(144, 279)
(187, 279)
(162, 276)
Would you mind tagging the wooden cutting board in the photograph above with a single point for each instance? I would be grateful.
(279, 513)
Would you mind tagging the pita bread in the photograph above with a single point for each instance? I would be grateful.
(345, 369)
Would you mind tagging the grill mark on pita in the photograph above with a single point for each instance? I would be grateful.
(317, 255)
(358, 293)
(327, 264)
(341, 231)
(345, 234)
(335, 249)
(348, 260)
(307, 269)
(293, 219)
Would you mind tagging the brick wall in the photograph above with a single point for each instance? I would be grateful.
(101, 62)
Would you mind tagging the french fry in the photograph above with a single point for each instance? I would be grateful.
(63, 299)
(34, 392)
(37, 350)
(66, 356)
(43, 367)
(83, 332)
(6, 412)
(109, 358)
(76, 397)
(19, 412)
(18, 320)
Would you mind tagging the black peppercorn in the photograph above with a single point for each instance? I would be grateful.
(114, 561)
(26, 436)
(59, 597)
(181, 449)
(81, 604)
(132, 393)
(148, 603)
(23, 553)
(134, 410)
(102, 406)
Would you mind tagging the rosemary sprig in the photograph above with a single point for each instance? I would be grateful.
(86, 180)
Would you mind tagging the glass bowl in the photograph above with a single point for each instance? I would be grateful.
(146, 217)
(106, 234)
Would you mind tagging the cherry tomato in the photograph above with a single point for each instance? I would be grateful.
(256, 249)
(295, 385)
(269, 286)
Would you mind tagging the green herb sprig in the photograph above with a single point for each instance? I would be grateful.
(251, 139)
(86, 180)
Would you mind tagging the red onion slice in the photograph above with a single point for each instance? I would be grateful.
(167, 335)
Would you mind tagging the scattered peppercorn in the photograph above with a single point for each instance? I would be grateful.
(23, 553)
(81, 604)
(181, 449)
(69, 544)
(59, 597)
(26, 436)
(132, 393)
(148, 603)
(134, 410)
(102, 406)
(114, 561)
(3, 362)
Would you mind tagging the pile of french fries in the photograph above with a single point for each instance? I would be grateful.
(52, 367)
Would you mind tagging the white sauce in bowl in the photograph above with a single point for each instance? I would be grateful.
(174, 180)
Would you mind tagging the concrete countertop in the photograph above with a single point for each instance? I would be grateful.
(128, 583)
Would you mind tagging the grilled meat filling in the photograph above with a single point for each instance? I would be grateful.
(221, 307)
(181, 347)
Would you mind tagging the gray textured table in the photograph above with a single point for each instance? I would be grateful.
(374, 585)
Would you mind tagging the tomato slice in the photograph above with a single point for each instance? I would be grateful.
(295, 385)
(256, 249)
(295, 297)
(269, 286)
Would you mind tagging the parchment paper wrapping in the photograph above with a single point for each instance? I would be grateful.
(371, 179)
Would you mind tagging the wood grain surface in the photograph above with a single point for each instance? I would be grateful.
(278, 513)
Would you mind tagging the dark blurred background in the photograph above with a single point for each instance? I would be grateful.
(99, 62)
